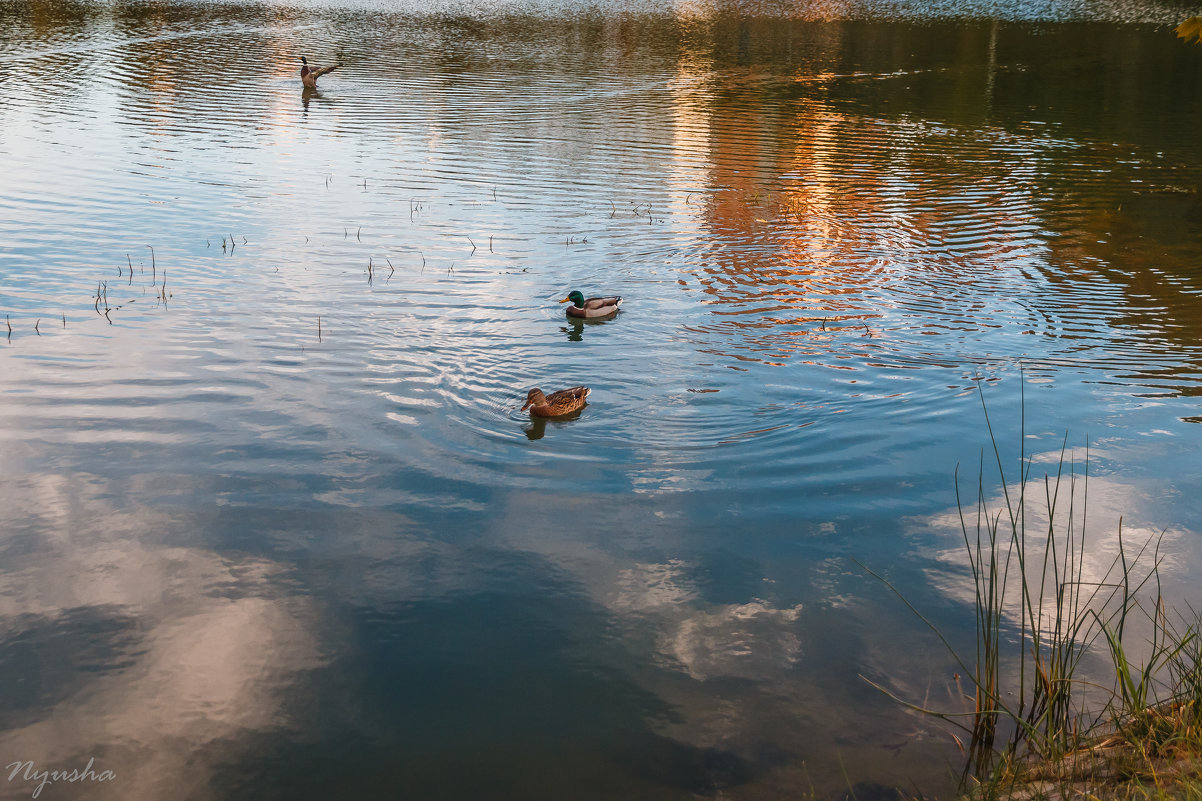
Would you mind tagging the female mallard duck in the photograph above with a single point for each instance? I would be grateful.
(557, 404)
(593, 307)
(309, 75)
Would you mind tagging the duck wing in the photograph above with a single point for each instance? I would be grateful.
(567, 396)
(317, 73)
(613, 301)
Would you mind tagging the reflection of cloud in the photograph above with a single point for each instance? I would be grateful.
(696, 620)
(751, 640)
(208, 654)
(646, 587)
(748, 641)
(1094, 519)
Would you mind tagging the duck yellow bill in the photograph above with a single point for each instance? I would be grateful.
(565, 300)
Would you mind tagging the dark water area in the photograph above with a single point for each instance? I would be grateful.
(272, 523)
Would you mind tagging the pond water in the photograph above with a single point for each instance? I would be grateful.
(273, 524)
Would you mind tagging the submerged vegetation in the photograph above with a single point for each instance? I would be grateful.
(1036, 721)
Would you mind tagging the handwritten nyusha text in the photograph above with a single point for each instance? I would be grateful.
(29, 772)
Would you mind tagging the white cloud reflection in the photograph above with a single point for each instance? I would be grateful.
(747, 641)
(1109, 521)
(211, 647)
(752, 640)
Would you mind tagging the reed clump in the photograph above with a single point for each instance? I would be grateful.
(1036, 720)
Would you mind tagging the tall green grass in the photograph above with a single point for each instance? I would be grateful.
(1039, 616)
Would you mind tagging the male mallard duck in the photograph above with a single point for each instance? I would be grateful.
(309, 75)
(557, 404)
(593, 307)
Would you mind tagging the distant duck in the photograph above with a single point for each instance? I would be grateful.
(557, 404)
(592, 307)
(309, 75)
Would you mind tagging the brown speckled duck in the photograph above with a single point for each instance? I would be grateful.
(591, 307)
(309, 75)
(557, 404)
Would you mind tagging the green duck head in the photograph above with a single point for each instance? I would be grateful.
(576, 298)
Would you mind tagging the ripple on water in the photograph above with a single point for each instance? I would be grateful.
(828, 235)
(780, 236)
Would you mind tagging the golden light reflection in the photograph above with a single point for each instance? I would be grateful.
(826, 224)
(785, 244)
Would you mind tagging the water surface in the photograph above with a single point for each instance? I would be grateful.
(274, 525)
